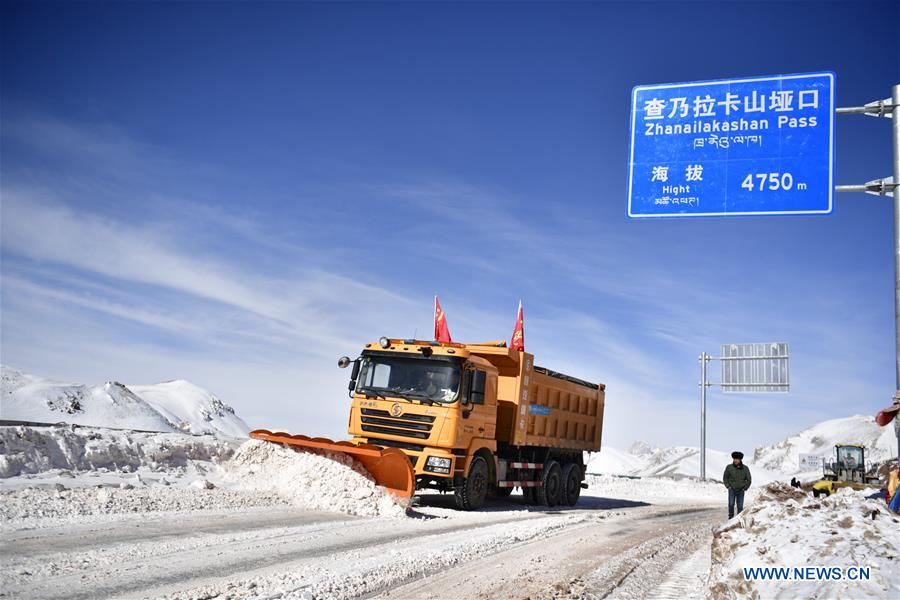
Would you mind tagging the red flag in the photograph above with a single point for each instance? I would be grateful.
(518, 337)
(441, 331)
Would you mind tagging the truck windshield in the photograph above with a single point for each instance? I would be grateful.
(850, 457)
(412, 378)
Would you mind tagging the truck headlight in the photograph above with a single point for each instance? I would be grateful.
(438, 464)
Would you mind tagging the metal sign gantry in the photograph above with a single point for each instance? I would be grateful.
(746, 368)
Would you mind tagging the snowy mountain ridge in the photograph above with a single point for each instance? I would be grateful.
(778, 461)
(677, 462)
(820, 439)
(173, 406)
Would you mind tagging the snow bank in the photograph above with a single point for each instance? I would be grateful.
(64, 472)
(326, 481)
(35, 450)
(785, 527)
(33, 507)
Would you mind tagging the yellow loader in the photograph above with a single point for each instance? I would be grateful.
(847, 470)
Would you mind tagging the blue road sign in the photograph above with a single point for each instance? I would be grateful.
(753, 146)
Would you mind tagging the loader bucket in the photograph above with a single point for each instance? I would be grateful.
(389, 467)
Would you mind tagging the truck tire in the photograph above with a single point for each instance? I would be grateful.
(571, 476)
(470, 495)
(548, 494)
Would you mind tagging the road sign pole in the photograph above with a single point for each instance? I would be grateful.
(887, 187)
(704, 358)
(895, 126)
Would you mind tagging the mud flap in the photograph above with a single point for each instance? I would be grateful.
(390, 467)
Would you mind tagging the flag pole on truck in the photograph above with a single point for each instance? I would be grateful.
(441, 329)
(518, 337)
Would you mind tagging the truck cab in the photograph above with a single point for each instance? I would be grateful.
(435, 402)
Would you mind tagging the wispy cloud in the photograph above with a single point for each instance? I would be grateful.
(145, 280)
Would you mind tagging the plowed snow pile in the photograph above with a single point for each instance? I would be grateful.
(326, 481)
(50, 475)
(785, 527)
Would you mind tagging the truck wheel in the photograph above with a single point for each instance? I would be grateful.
(470, 495)
(548, 494)
(571, 476)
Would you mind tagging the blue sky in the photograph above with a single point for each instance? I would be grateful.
(237, 194)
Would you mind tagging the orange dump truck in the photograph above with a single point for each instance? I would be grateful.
(471, 419)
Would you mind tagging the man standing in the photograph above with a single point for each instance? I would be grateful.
(737, 480)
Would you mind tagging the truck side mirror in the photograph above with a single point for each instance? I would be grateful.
(476, 389)
(343, 363)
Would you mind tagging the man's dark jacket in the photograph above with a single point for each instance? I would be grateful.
(736, 478)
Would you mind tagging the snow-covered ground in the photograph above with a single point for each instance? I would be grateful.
(785, 527)
(173, 406)
(143, 509)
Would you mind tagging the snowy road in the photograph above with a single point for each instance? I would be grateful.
(506, 550)
(624, 557)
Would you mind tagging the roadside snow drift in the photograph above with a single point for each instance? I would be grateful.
(785, 527)
(48, 474)
(39, 450)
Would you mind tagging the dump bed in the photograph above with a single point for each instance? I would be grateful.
(539, 407)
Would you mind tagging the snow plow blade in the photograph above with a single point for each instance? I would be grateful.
(389, 467)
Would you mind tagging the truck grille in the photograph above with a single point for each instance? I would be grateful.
(381, 421)
(396, 444)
